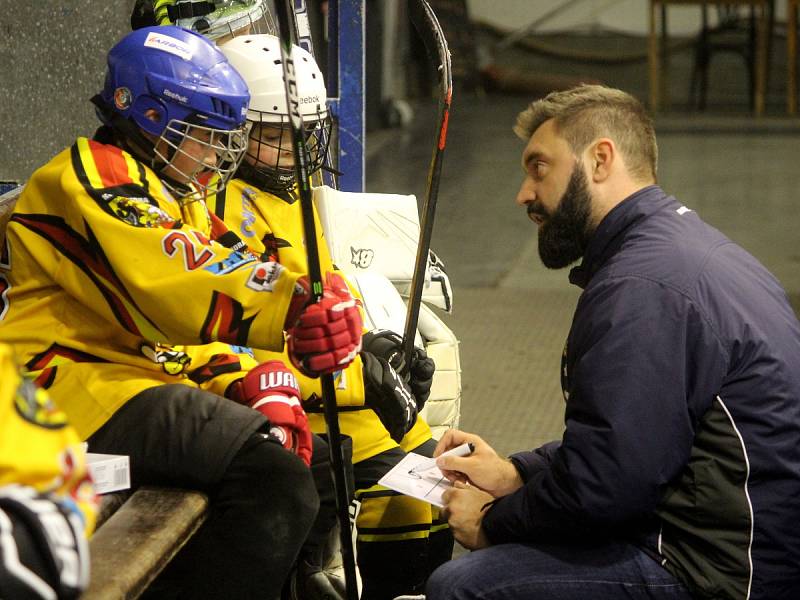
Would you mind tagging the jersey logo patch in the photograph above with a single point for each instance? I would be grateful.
(174, 362)
(264, 276)
(136, 211)
(235, 261)
(35, 406)
(361, 258)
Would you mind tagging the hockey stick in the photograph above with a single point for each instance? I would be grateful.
(427, 25)
(301, 162)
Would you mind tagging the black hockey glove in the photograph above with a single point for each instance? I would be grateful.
(47, 539)
(388, 395)
(389, 346)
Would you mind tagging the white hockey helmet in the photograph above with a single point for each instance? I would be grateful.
(258, 59)
(231, 18)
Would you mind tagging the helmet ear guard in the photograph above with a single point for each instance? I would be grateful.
(149, 114)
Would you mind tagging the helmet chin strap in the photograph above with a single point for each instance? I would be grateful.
(265, 180)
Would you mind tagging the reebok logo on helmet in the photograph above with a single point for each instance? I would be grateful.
(175, 96)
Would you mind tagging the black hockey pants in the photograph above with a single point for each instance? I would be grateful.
(262, 498)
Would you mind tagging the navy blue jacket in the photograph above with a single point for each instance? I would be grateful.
(682, 379)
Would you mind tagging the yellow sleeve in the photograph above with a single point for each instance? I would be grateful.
(219, 365)
(109, 234)
(37, 447)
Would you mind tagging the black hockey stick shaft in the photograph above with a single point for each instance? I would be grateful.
(301, 161)
(427, 25)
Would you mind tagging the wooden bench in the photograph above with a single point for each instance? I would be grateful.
(137, 541)
(138, 533)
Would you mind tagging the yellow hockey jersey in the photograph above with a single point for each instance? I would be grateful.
(102, 271)
(37, 447)
(272, 227)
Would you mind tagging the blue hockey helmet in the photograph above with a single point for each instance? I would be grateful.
(175, 85)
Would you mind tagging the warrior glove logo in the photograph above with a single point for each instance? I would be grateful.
(277, 379)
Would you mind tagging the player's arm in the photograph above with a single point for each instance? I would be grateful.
(216, 366)
(131, 259)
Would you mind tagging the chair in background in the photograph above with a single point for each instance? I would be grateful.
(755, 50)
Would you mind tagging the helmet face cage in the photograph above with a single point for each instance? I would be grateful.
(232, 18)
(272, 131)
(188, 176)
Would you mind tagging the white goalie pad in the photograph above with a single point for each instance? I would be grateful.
(385, 309)
(443, 408)
(376, 233)
(437, 291)
(383, 306)
(380, 233)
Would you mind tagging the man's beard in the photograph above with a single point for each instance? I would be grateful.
(564, 234)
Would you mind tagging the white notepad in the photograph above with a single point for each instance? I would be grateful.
(427, 485)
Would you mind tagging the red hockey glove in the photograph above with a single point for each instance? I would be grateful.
(325, 336)
(272, 389)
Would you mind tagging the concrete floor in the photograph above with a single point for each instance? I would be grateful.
(510, 313)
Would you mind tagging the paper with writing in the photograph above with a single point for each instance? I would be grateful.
(427, 485)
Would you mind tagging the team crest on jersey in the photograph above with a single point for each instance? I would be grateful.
(35, 406)
(264, 276)
(361, 258)
(122, 98)
(174, 362)
(136, 211)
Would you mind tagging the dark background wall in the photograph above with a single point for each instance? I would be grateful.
(52, 60)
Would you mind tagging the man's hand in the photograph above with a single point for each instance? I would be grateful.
(388, 345)
(272, 389)
(463, 509)
(387, 394)
(325, 336)
(483, 468)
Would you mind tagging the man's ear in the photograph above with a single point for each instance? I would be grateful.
(601, 159)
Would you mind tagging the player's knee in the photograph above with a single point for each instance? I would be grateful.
(279, 477)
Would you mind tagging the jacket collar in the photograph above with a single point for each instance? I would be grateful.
(609, 235)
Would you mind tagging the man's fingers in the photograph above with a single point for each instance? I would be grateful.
(451, 439)
(455, 463)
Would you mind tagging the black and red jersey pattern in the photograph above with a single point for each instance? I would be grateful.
(89, 257)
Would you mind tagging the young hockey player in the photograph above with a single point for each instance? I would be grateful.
(47, 502)
(110, 261)
(400, 540)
